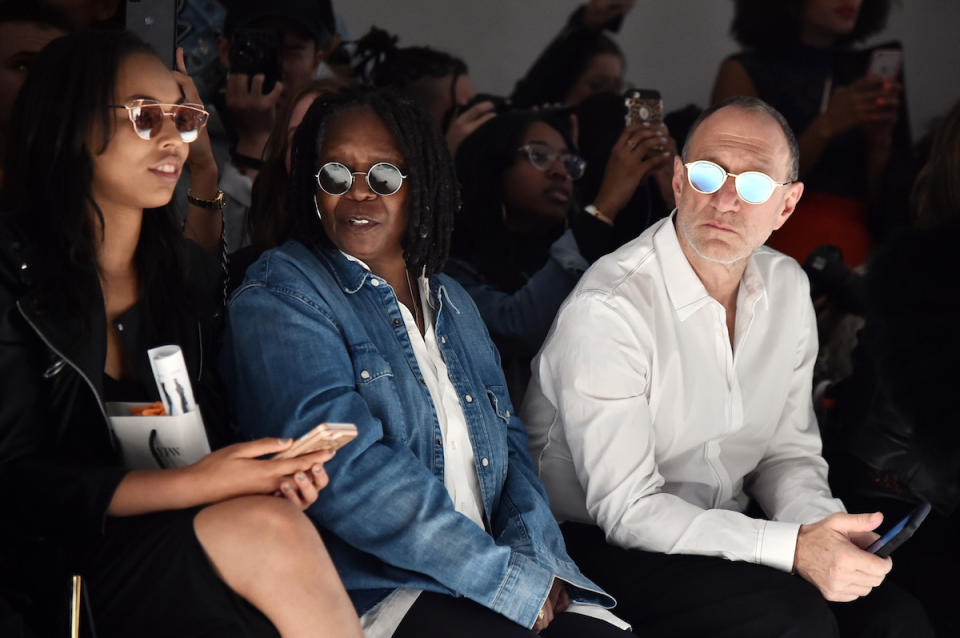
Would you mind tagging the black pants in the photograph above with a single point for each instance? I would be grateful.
(440, 616)
(925, 565)
(684, 595)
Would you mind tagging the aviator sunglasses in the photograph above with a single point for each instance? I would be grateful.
(383, 178)
(542, 157)
(147, 118)
(752, 187)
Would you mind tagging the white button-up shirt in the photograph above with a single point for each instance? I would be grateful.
(645, 421)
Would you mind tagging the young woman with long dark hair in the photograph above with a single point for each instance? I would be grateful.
(93, 272)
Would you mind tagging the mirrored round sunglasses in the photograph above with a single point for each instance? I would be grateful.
(383, 178)
(752, 187)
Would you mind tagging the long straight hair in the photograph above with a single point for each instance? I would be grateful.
(49, 170)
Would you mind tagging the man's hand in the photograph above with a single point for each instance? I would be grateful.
(829, 556)
(557, 602)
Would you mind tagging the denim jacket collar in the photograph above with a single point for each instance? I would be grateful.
(351, 275)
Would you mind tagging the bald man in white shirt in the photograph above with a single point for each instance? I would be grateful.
(674, 390)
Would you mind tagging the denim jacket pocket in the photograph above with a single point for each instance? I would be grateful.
(368, 365)
(375, 382)
(500, 402)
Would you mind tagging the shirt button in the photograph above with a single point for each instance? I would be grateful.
(508, 414)
(364, 374)
(469, 398)
(24, 266)
(453, 445)
(397, 322)
(484, 462)
(120, 327)
(439, 441)
(443, 339)
(374, 282)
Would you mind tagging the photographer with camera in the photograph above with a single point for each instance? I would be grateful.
(271, 50)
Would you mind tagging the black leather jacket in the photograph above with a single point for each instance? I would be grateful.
(59, 463)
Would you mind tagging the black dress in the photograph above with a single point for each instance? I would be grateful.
(59, 464)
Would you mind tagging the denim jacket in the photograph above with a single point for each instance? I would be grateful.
(313, 337)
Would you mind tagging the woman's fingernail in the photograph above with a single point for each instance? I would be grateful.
(283, 441)
(286, 487)
(317, 469)
(301, 477)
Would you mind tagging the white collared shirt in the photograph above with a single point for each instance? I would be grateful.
(645, 421)
(459, 469)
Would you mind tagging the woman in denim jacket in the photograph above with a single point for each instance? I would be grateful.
(434, 515)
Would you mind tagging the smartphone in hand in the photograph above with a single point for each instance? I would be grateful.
(886, 63)
(326, 436)
(643, 105)
(155, 22)
(899, 533)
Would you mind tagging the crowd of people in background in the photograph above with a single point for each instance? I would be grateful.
(610, 376)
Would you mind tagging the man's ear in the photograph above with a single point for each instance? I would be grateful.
(223, 51)
(790, 200)
(677, 181)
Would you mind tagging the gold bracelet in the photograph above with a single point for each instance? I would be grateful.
(215, 203)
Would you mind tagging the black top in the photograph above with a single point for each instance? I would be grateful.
(793, 81)
(59, 462)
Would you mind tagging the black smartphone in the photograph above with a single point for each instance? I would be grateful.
(254, 51)
(899, 533)
(155, 22)
(643, 105)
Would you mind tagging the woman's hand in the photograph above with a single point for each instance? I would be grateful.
(467, 122)
(870, 101)
(599, 12)
(201, 224)
(201, 152)
(233, 471)
(640, 151)
(557, 602)
(236, 470)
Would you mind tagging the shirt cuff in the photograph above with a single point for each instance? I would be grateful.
(566, 252)
(778, 544)
(524, 590)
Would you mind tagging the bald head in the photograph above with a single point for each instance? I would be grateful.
(752, 107)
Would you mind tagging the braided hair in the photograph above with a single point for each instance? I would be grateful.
(434, 194)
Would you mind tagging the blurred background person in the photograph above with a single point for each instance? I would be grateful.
(891, 435)
(855, 149)
(25, 28)
(521, 241)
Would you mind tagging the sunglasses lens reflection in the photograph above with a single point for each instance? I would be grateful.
(384, 179)
(754, 188)
(705, 176)
(147, 120)
(189, 121)
(335, 178)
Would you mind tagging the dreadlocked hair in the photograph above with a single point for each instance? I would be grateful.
(433, 194)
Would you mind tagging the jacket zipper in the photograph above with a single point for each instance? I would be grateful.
(93, 389)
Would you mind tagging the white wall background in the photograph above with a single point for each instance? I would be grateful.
(675, 46)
